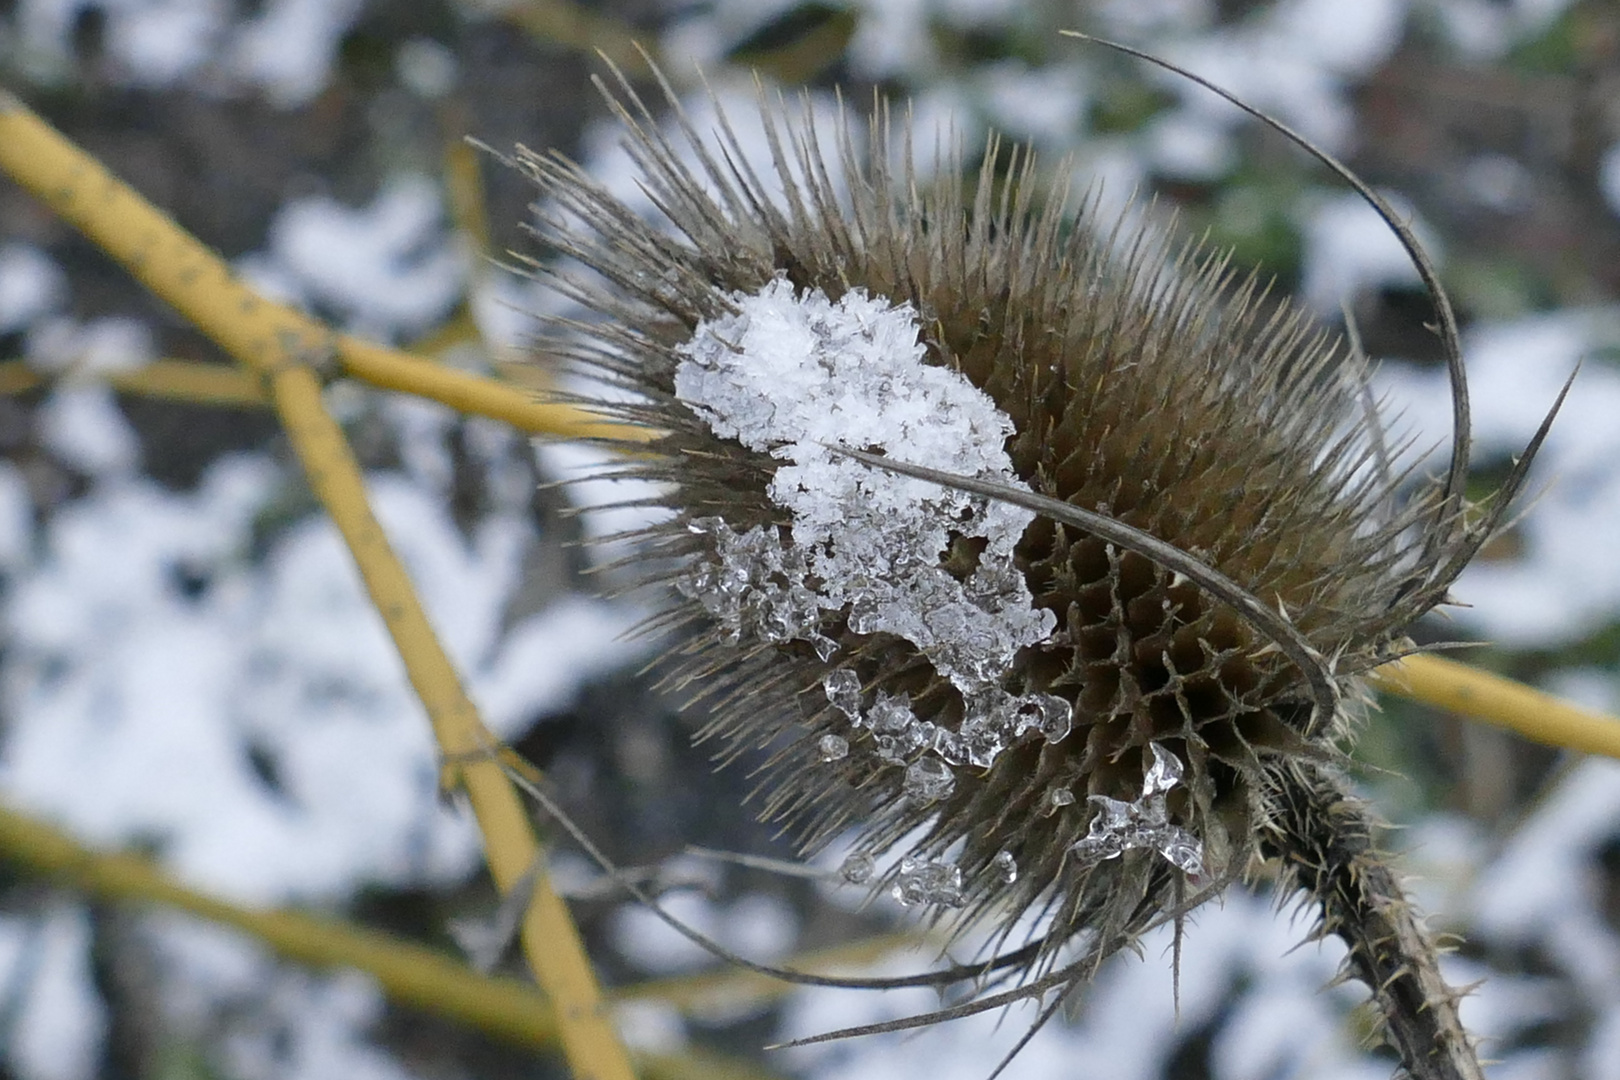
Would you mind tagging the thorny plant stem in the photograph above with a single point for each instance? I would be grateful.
(1324, 837)
(286, 350)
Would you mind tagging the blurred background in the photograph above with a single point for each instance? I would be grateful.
(188, 666)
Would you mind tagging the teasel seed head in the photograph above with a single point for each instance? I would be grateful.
(1029, 545)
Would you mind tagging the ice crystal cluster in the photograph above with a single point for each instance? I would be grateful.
(796, 375)
(1144, 822)
(1099, 659)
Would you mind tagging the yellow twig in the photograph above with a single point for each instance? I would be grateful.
(287, 351)
(1492, 699)
(176, 380)
(389, 370)
(464, 188)
(408, 973)
(82, 192)
(729, 986)
(570, 24)
(16, 377)
(211, 384)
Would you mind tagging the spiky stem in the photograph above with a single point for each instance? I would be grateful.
(1324, 836)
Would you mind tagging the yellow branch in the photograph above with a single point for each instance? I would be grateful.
(408, 973)
(731, 986)
(212, 384)
(570, 24)
(286, 350)
(390, 370)
(1492, 699)
(176, 380)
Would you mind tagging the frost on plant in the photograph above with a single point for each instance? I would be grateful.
(796, 375)
(994, 681)
(858, 868)
(925, 881)
(1143, 822)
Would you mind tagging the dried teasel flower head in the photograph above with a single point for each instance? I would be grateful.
(1043, 553)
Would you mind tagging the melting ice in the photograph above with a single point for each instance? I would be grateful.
(1144, 822)
(858, 869)
(922, 881)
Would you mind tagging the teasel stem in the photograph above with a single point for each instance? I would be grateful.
(1323, 836)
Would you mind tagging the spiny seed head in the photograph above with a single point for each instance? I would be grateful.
(1049, 717)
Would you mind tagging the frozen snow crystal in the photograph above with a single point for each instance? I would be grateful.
(1143, 823)
(1163, 774)
(928, 780)
(858, 869)
(756, 588)
(1055, 799)
(797, 375)
(844, 691)
(1052, 716)
(891, 715)
(923, 881)
(833, 747)
(1004, 867)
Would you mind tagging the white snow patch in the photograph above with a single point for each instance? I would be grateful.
(1502, 183)
(1188, 146)
(16, 519)
(427, 67)
(160, 42)
(208, 969)
(1043, 104)
(101, 346)
(1350, 39)
(389, 268)
(759, 927)
(1137, 19)
(892, 39)
(543, 660)
(1560, 588)
(1540, 888)
(1349, 248)
(57, 1028)
(81, 425)
(1609, 177)
(649, 1026)
(132, 702)
(31, 284)
(289, 48)
(315, 1031)
(1126, 1023)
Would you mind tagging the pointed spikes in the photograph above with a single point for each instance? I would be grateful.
(1214, 546)
(1444, 530)
(1324, 838)
(1281, 630)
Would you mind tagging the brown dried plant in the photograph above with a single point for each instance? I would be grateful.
(1212, 552)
